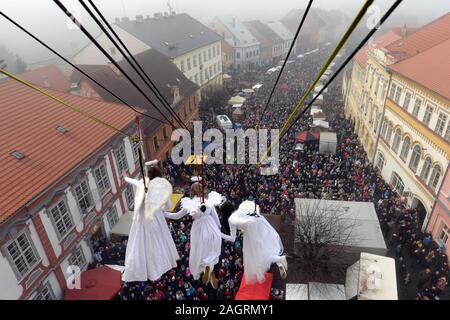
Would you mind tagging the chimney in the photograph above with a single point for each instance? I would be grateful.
(173, 13)
(233, 22)
(117, 19)
(139, 18)
(403, 31)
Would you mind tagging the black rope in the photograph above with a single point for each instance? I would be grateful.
(147, 79)
(349, 58)
(76, 67)
(141, 163)
(83, 29)
(287, 57)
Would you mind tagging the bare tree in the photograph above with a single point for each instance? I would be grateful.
(322, 233)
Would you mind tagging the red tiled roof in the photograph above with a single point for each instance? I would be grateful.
(430, 68)
(49, 76)
(424, 38)
(382, 41)
(28, 122)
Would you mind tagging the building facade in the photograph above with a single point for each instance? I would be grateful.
(74, 189)
(271, 44)
(439, 224)
(245, 46)
(190, 45)
(182, 94)
(400, 105)
(286, 36)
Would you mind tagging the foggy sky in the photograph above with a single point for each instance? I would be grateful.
(45, 19)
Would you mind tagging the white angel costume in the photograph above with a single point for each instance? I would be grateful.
(151, 251)
(206, 241)
(261, 246)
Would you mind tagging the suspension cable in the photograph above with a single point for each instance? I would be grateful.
(83, 29)
(148, 82)
(285, 61)
(336, 50)
(76, 67)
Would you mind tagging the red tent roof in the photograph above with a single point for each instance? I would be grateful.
(96, 284)
(307, 136)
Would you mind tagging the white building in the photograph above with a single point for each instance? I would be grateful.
(246, 47)
(284, 33)
(190, 45)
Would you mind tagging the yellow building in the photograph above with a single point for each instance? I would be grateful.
(399, 101)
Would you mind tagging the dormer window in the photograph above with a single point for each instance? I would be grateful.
(17, 154)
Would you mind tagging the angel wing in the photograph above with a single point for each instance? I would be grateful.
(191, 205)
(158, 194)
(214, 199)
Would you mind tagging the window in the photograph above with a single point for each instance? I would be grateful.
(200, 58)
(182, 66)
(204, 56)
(195, 60)
(389, 134)
(405, 149)
(443, 236)
(415, 158)
(397, 95)
(188, 61)
(396, 142)
(121, 158)
(112, 50)
(392, 91)
(83, 197)
(435, 175)
(215, 69)
(447, 133)
(136, 147)
(407, 100)
(440, 125)
(428, 113)
(196, 78)
(156, 143)
(165, 135)
(238, 55)
(210, 71)
(101, 176)
(206, 74)
(209, 54)
(416, 109)
(384, 128)
(214, 51)
(380, 162)
(397, 183)
(129, 197)
(377, 86)
(112, 217)
(62, 220)
(201, 77)
(426, 168)
(77, 258)
(23, 254)
(45, 293)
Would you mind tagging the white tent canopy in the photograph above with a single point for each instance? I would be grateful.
(365, 236)
(248, 91)
(328, 142)
(257, 86)
(315, 291)
(320, 124)
(373, 277)
(237, 105)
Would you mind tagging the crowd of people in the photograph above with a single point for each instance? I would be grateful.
(345, 175)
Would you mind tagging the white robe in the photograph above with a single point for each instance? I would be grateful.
(261, 245)
(206, 241)
(151, 251)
